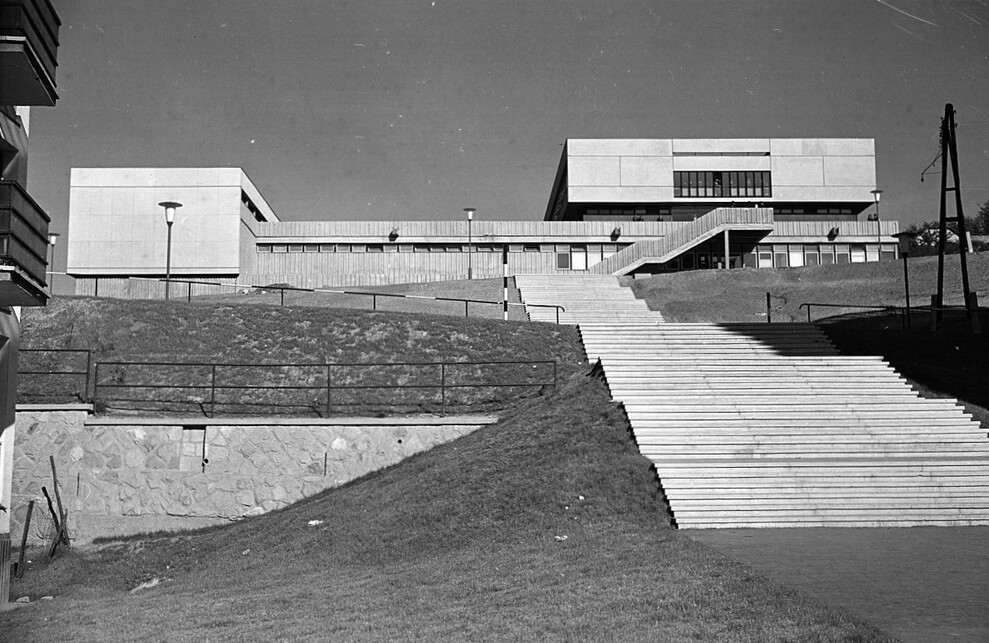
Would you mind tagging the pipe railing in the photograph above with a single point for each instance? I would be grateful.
(373, 295)
(199, 377)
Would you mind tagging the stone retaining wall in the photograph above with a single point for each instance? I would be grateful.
(127, 475)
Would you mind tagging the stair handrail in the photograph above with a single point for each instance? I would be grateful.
(685, 236)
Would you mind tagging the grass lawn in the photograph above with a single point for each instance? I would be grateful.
(547, 525)
(204, 332)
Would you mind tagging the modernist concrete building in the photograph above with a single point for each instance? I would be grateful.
(624, 207)
(28, 47)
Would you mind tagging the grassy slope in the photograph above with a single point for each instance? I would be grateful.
(476, 289)
(951, 362)
(454, 544)
(208, 332)
(740, 295)
(117, 328)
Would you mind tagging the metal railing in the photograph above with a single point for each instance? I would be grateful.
(905, 313)
(888, 309)
(28, 355)
(373, 295)
(247, 385)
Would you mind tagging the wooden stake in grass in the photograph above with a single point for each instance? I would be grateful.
(62, 514)
(27, 528)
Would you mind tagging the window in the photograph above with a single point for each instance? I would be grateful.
(530, 247)
(311, 247)
(279, 247)
(841, 253)
(264, 247)
(872, 252)
(722, 184)
(563, 261)
(375, 247)
(327, 247)
(295, 247)
(765, 259)
(796, 256)
(858, 253)
(578, 258)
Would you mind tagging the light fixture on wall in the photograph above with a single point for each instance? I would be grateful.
(393, 234)
(170, 207)
(617, 232)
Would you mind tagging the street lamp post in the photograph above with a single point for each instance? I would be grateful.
(52, 238)
(470, 244)
(879, 235)
(904, 239)
(170, 207)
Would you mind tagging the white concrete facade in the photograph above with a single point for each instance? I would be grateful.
(116, 225)
(807, 172)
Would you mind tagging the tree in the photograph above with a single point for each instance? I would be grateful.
(979, 224)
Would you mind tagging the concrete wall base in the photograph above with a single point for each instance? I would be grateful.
(126, 475)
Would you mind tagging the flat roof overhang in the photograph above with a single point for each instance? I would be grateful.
(23, 79)
(16, 289)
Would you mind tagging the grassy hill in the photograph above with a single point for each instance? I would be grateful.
(740, 295)
(547, 525)
(204, 332)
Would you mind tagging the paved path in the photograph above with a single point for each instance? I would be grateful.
(920, 584)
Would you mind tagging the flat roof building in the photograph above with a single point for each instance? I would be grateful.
(802, 179)
(623, 207)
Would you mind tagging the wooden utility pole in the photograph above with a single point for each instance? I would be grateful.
(949, 150)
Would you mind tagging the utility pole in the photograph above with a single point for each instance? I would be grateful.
(949, 150)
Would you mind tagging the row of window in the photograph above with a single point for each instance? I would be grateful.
(812, 210)
(797, 255)
(593, 248)
(722, 184)
(629, 212)
(781, 256)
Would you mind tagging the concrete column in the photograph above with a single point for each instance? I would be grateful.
(9, 339)
(726, 249)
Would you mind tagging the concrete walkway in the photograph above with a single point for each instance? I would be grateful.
(919, 584)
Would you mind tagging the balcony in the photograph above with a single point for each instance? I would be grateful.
(28, 52)
(23, 248)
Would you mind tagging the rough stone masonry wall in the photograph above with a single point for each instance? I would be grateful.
(127, 475)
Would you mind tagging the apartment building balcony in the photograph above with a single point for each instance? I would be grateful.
(28, 52)
(23, 248)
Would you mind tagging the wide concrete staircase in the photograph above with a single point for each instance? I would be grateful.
(758, 425)
(584, 298)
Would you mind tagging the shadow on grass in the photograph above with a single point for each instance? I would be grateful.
(948, 362)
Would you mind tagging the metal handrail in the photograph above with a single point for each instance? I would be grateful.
(374, 295)
(859, 306)
(214, 385)
(85, 373)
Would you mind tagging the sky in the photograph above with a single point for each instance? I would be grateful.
(415, 109)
